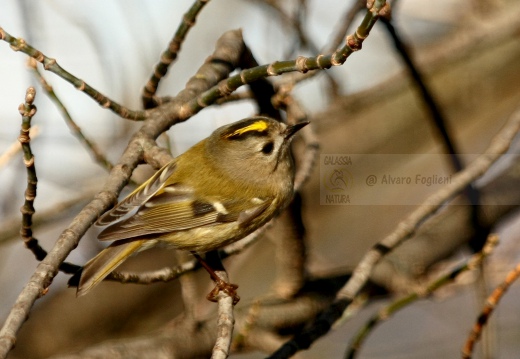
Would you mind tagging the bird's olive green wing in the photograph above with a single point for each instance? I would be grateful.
(139, 196)
(173, 210)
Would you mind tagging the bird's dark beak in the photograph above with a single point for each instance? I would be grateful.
(292, 129)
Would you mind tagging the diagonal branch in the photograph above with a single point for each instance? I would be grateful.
(228, 51)
(404, 231)
(170, 54)
(491, 304)
(51, 65)
(302, 64)
(75, 129)
(386, 312)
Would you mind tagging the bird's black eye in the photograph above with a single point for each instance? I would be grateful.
(268, 148)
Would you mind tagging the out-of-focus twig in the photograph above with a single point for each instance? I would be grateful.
(301, 64)
(170, 54)
(228, 50)
(11, 229)
(291, 254)
(492, 302)
(75, 129)
(339, 36)
(439, 121)
(499, 145)
(50, 64)
(405, 230)
(385, 313)
(292, 21)
(188, 289)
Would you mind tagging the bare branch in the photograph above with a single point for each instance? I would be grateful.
(75, 129)
(492, 302)
(159, 120)
(385, 313)
(225, 321)
(50, 64)
(405, 230)
(301, 64)
(170, 54)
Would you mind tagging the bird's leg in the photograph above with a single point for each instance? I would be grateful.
(221, 285)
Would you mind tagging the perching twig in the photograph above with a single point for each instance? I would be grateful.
(50, 64)
(391, 309)
(302, 174)
(228, 49)
(405, 230)
(225, 315)
(170, 54)
(492, 302)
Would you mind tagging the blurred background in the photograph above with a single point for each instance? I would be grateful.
(468, 52)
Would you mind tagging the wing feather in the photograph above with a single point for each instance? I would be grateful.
(157, 217)
(139, 196)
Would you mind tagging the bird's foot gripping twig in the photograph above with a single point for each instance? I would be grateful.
(221, 285)
(228, 288)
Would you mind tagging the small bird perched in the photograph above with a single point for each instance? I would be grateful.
(217, 192)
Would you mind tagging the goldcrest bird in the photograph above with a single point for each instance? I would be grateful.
(217, 192)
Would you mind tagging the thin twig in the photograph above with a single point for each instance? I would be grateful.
(11, 228)
(303, 172)
(161, 275)
(16, 147)
(439, 121)
(188, 289)
(301, 64)
(170, 54)
(292, 21)
(51, 65)
(225, 315)
(290, 249)
(344, 24)
(405, 230)
(228, 50)
(385, 313)
(75, 129)
(492, 302)
(28, 110)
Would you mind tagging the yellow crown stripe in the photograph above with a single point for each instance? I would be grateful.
(258, 126)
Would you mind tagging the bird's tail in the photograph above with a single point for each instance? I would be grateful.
(103, 264)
